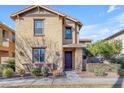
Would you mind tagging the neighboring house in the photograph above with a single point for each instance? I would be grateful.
(85, 42)
(46, 35)
(118, 36)
(7, 44)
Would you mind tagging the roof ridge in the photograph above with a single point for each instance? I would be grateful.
(115, 34)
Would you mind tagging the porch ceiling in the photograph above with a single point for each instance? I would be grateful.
(74, 46)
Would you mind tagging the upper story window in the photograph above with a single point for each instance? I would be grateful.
(38, 55)
(13, 38)
(38, 27)
(68, 33)
(3, 33)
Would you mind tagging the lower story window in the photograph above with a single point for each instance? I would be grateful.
(38, 55)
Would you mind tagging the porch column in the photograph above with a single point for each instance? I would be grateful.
(78, 59)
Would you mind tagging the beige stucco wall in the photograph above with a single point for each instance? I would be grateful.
(51, 40)
(78, 58)
(78, 29)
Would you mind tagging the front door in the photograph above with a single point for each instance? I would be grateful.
(68, 60)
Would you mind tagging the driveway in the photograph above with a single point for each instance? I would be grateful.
(70, 78)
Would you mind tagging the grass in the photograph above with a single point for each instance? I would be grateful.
(70, 86)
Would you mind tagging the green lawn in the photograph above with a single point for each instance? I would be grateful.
(70, 86)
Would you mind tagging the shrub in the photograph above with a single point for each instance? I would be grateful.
(1, 70)
(100, 69)
(45, 70)
(118, 61)
(106, 49)
(11, 63)
(100, 72)
(121, 72)
(21, 72)
(36, 71)
(7, 72)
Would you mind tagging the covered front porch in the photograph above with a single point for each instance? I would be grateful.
(72, 54)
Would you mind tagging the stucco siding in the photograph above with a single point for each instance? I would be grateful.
(25, 35)
(78, 58)
(52, 39)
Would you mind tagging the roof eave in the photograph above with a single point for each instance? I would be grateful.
(14, 15)
(7, 27)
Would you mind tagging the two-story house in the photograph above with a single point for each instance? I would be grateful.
(7, 44)
(46, 35)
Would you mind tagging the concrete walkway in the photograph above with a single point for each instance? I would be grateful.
(70, 78)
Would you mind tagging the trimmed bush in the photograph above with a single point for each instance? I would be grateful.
(1, 70)
(7, 72)
(121, 72)
(36, 71)
(45, 70)
(21, 72)
(11, 63)
(100, 69)
(118, 61)
(100, 72)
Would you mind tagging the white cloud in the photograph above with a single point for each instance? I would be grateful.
(112, 8)
(101, 14)
(122, 25)
(118, 19)
(95, 32)
(103, 30)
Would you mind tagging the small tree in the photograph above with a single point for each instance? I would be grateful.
(107, 49)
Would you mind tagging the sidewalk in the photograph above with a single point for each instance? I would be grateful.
(70, 78)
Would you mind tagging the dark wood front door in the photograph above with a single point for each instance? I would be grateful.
(68, 60)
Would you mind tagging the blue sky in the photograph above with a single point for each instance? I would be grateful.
(99, 21)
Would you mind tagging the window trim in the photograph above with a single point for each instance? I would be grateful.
(71, 33)
(33, 53)
(42, 29)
